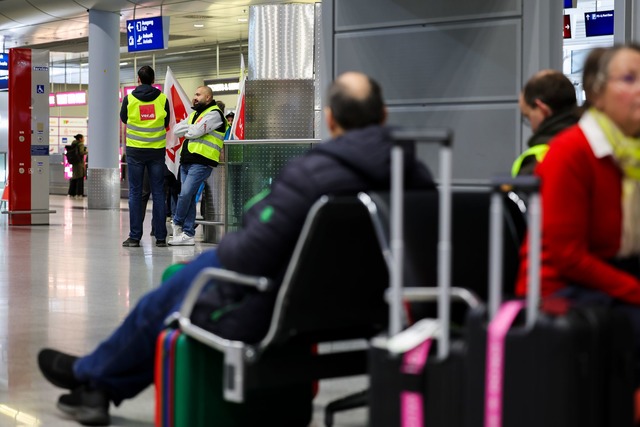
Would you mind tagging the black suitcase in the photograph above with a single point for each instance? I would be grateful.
(571, 366)
(423, 385)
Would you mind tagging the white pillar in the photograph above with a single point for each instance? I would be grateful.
(104, 107)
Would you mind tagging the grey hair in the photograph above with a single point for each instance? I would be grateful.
(603, 65)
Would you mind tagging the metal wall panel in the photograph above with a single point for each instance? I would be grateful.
(478, 62)
(485, 140)
(281, 42)
(103, 188)
(317, 90)
(358, 14)
(280, 109)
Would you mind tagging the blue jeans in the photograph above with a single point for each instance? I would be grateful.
(153, 161)
(123, 364)
(192, 176)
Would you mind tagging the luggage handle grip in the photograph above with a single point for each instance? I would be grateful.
(410, 136)
(531, 185)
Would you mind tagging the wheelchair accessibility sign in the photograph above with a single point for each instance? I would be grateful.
(39, 88)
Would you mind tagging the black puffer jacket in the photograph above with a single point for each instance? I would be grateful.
(356, 161)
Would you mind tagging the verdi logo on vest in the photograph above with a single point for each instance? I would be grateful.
(147, 112)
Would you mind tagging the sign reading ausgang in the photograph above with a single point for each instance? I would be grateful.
(148, 33)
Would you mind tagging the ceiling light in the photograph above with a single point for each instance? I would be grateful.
(187, 51)
(198, 25)
(122, 64)
(243, 19)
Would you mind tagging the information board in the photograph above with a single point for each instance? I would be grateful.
(4, 71)
(148, 33)
(598, 23)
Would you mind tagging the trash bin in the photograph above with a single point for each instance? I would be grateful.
(214, 200)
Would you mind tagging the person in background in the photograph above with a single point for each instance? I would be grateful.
(548, 104)
(590, 190)
(229, 118)
(221, 105)
(76, 183)
(357, 158)
(145, 112)
(204, 133)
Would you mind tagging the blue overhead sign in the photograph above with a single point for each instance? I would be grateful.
(4, 71)
(148, 33)
(598, 23)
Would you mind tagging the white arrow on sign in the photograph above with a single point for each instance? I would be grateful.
(129, 27)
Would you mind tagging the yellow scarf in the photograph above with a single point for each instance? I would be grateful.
(626, 151)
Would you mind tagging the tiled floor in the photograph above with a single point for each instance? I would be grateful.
(67, 285)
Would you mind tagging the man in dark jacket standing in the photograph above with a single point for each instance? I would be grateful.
(145, 113)
(357, 158)
(548, 103)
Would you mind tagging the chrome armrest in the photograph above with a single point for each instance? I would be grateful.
(260, 283)
(427, 294)
(234, 351)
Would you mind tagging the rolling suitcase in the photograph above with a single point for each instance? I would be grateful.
(562, 365)
(189, 391)
(417, 375)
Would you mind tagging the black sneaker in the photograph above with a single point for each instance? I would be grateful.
(88, 407)
(57, 368)
(131, 243)
(161, 243)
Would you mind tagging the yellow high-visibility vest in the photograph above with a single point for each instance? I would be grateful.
(208, 145)
(539, 151)
(145, 123)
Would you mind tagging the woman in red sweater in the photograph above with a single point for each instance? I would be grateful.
(590, 188)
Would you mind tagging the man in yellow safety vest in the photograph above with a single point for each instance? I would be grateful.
(548, 105)
(204, 131)
(145, 113)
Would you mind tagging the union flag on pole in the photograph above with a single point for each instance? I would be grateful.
(237, 129)
(179, 103)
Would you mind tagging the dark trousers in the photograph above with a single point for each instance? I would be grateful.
(586, 296)
(76, 187)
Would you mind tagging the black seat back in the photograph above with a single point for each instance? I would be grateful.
(335, 282)
(470, 242)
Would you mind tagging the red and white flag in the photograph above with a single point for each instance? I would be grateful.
(237, 129)
(179, 103)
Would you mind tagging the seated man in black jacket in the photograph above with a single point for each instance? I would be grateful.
(357, 158)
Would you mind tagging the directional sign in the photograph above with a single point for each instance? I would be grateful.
(4, 71)
(598, 23)
(148, 33)
(566, 30)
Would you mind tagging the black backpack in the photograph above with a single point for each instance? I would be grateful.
(73, 156)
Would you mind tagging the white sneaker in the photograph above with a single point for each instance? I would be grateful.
(182, 239)
(176, 229)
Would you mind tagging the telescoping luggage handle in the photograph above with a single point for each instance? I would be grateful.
(531, 186)
(445, 139)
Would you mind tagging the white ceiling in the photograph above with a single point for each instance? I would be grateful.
(63, 25)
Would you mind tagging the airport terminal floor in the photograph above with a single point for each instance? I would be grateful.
(67, 285)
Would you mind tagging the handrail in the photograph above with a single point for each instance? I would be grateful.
(271, 141)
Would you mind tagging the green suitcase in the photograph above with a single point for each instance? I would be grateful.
(196, 394)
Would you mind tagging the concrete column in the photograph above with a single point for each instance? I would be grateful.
(626, 21)
(104, 82)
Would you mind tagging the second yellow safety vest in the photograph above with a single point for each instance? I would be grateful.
(208, 145)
